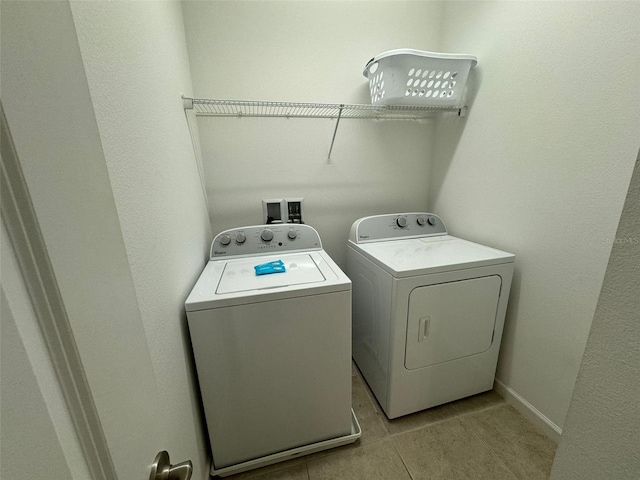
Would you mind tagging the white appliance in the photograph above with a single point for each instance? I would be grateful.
(428, 310)
(272, 352)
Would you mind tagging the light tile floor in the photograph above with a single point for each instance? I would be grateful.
(480, 437)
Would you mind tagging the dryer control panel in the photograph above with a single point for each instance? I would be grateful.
(396, 226)
(263, 239)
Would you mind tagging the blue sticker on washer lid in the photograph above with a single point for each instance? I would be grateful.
(270, 267)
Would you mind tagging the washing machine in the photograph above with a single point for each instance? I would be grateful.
(428, 310)
(272, 351)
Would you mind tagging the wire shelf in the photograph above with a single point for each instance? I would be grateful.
(244, 108)
(247, 108)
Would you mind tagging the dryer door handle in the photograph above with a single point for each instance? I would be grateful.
(423, 327)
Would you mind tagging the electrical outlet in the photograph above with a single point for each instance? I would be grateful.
(293, 210)
(274, 211)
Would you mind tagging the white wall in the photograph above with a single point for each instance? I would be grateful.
(92, 95)
(541, 168)
(307, 52)
(137, 66)
(136, 63)
(601, 437)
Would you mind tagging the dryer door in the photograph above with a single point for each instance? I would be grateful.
(451, 320)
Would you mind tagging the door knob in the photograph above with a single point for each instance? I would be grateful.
(163, 470)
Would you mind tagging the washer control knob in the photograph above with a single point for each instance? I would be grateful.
(266, 235)
(401, 222)
(292, 234)
(431, 220)
(225, 240)
(421, 221)
(241, 238)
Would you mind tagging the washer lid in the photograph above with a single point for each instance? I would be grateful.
(422, 256)
(240, 276)
(308, 273)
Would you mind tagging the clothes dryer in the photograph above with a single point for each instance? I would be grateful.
(428, 310)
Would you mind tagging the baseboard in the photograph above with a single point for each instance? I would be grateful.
(532, 414)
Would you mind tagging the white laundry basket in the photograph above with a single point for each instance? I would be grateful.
(414, 77)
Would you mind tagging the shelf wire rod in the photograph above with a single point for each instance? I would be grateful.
(240, 108)
(334, 134)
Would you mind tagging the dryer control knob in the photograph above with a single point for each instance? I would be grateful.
(225, 240)
(431, 220)
(401, 222)
(292, 234)
(241, 238)
(266, 235)
(421, 221)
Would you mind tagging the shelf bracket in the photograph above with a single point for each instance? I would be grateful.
(334, 133)
(187, 103)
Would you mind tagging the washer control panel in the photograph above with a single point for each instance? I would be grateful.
(262, 239)
(396, 226)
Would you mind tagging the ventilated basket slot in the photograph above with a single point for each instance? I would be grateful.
(413, 77)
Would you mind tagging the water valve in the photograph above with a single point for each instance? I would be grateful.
(294, 210)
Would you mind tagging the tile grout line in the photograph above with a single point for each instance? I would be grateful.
(402, 458)
(493, 452)
(373, 402)
(332, 452)
(389, 436)
(337, 451)
(473, 432)
(454, 417)
(376, 407)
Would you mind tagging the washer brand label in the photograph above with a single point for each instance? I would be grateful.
(218, 252)
(363, 236)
